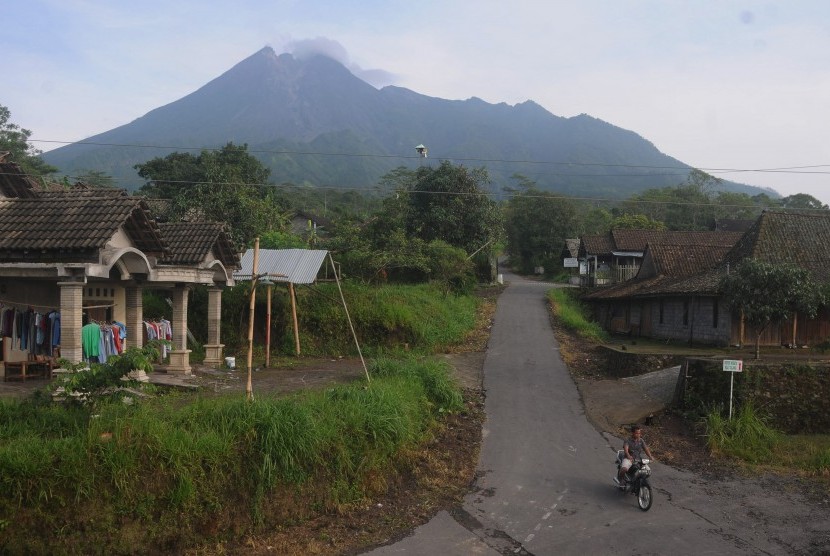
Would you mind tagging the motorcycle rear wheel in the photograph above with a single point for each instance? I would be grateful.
(644, 497)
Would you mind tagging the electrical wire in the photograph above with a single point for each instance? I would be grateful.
(679, 172)
(786, 169)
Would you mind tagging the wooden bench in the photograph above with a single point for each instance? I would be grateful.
(21, 370)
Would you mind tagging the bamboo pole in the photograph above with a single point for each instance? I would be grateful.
(349, 318)
(249, 388)
(268, 330)
(294, 317)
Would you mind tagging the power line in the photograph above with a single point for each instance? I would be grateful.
(503, 194)
(785, 169)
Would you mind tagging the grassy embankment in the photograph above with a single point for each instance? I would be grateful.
(163, 473)
(572, 315)
(747, 437)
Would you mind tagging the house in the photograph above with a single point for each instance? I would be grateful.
(616, 256)
(675, 294)
(306, 224)
(87, 254)
(665, 299)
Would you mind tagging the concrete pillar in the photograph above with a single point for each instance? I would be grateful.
(72, 294)
(213, 347)
(179, 355)
(135, 317)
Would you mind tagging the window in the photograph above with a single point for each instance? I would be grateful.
(685, 313)
(661, 311)
(715, 314)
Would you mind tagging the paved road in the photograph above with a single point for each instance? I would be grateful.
(544, 482)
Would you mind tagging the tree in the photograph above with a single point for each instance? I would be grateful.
(770, 292)
(802, 201)
(447, 203)
(278, 239)
(594, 220)
(636, 222)
(427, 214)
(225, 185)
(15, 140)
(694, 205)
(729, 205)
(449, 266)
(537, 224)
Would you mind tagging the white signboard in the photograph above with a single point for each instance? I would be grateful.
(571, 262)
(733, 365)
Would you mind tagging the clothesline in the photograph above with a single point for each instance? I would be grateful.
(52, 306)
(18, 303)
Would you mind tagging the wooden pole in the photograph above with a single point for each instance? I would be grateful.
(294, 316)
(349, 319)
(249, 388)
(795, 329)
(268, 330)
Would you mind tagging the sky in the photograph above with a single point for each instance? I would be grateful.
(739, 89)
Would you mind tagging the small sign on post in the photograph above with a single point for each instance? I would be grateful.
(732, 366)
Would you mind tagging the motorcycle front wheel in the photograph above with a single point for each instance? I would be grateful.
(644, 497)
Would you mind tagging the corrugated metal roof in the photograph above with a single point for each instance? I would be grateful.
(298, 266)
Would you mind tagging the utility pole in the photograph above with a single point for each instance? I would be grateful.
(249, 389)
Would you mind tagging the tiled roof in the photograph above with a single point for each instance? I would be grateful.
(800, 238)
(191, 242)
(14, 183)
(626, 289)
(74, 221)
(683, 260)
(636, 240)
(596, 245)
(733, 225)
(670, 269)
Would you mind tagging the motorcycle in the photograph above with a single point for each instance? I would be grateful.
(636, 480)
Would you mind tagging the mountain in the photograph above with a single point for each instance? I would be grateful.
(312, 121)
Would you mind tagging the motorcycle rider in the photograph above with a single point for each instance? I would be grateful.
(633, 449)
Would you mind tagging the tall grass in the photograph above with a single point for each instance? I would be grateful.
(749, 438)
(419, 318)
(746, 436)
(172, 464)
(573, 315)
